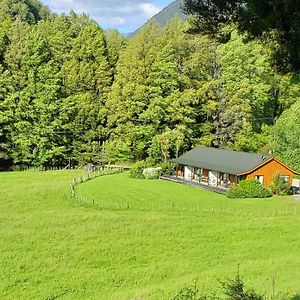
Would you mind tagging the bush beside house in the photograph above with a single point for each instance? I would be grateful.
(279, 186)
(147, 169)
(136, 170)
(248, 189)
(152, 173)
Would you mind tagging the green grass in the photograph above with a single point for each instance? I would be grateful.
(119, 192)
(52, 248)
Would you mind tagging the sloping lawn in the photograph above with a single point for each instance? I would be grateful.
(52, 248)
(120, 191)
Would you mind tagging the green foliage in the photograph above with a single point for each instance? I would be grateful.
(190, 292)
(116, 43)
(70, 92)
(151, 173)
(279, 186)
(136, 170)
(235, 290)
(57, 79)
(167, 168)
(30, 11)
(258, 18)
(284, 138)
(248, 189)
(232, 290)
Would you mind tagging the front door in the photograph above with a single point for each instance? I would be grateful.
(232, 179)
(180, 171)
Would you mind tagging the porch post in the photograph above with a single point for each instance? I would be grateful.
(208, 178)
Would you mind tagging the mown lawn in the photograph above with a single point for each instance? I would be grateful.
(52, 248)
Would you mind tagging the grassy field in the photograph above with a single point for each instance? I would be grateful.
(142, 239)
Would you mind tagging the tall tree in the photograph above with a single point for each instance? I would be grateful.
(284, 138)
(116, 43)
(279, 18)
(87, 78)
(131, 93)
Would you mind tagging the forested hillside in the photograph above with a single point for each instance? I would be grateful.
(70, 91)
(174, 9)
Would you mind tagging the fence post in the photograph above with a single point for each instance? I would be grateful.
(72, 190)
(273, 287)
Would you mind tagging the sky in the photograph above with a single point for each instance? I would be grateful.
(124, 15)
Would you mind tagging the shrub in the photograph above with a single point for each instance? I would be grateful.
(279, 186)
(167, 168)
(190, 292)
(146, 169)
(235, 290)
(151, 173)
(232, 290)
(248, 189)
(136, 170)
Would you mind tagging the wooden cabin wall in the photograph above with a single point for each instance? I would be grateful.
(269, 170)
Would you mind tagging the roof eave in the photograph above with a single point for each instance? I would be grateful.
(264, 163)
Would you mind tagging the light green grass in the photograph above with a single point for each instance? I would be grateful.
(53, 249)
(119, 192)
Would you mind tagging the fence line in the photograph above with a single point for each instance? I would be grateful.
(107, 170)
(41, 168)
(201, 209)
(169, 206)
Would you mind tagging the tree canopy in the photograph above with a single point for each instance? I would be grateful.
(72, 92)
(277, 20)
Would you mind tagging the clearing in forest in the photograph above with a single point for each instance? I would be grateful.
(142, 238)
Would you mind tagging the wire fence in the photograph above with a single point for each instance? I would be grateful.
(102, 171)
(187, 208)
(138, 204)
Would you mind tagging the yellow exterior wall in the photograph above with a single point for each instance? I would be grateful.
(269, 170)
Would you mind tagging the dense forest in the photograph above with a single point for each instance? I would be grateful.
(70, 91)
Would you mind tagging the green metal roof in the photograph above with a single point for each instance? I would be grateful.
(226, 161)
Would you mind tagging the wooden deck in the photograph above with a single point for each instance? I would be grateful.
(193, 183)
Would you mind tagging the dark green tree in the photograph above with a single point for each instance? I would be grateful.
(284, 137)
(280, 19)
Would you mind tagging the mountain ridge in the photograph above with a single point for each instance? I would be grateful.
(165, 15)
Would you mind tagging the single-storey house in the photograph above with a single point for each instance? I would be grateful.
(224, 168)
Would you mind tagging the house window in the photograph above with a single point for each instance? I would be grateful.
(285, 178)
(260, 178)
(242, 177)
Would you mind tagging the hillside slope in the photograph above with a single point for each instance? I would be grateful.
(165, 15)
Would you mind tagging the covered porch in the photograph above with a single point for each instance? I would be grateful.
(206, 177)
(193, 183)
